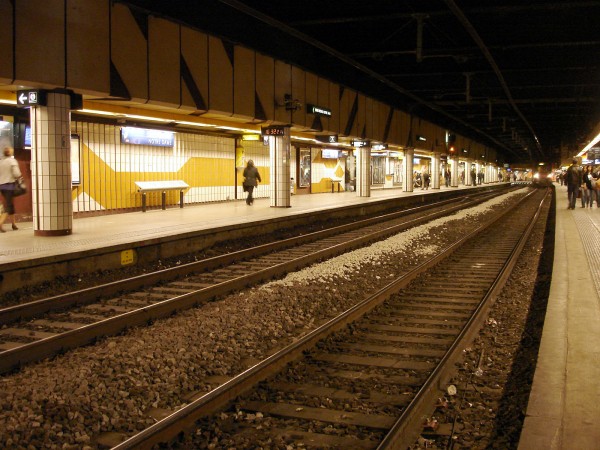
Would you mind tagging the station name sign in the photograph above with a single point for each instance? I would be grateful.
(273, 130)
(318, 110)
(143, 136)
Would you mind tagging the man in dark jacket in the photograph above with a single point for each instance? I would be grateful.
(574, 180)
(251, 179)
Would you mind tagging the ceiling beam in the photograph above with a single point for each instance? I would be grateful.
(481, 10)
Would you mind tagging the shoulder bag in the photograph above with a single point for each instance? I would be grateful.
(20, 187)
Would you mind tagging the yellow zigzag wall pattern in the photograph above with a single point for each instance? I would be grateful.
(110, 169)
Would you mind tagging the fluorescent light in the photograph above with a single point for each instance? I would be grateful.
(154, 119)
(8, 102)
(93, 111)
(590, 145)
(304, 139)
(195, 124)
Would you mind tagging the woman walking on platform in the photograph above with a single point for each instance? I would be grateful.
(9, 173)
(251, 179)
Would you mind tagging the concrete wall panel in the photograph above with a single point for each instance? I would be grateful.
(323, 100)
(369, 119)
(194, 51)
(244, 85)
(40, 37)
(346, 103)
(220, 78)
(283, 85)
(361, 116)
(163, 59)
(265, 84)
(299, 80)
(334, 98)
(6, 37)
(129, 52)
(88, 47)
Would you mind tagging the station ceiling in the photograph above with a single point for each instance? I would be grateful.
(521, 76)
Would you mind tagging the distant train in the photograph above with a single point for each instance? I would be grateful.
(543, 178)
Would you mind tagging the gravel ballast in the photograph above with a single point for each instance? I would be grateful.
(68, 401)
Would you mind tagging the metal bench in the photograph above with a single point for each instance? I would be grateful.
(163, 186)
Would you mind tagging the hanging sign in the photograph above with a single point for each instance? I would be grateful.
(360, 143)
(327, 138)
(273, 130)
(31, 97)
(318, 110)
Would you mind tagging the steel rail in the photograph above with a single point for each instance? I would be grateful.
(405, 431)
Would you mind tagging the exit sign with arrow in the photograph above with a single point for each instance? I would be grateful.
(31, 98)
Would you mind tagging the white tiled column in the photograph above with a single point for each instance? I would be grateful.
(409, 154)
(435, 169)
(51, 166)
(363, 172)
(279, 147)
(454, 163)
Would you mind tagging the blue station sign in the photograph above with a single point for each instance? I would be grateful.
(145, 136)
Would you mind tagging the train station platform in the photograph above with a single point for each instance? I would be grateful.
(90, 233)
(564, 404)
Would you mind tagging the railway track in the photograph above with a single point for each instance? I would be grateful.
(367, 378)
(42, 328)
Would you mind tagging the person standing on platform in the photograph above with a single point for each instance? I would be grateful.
(9, 173)
(596, 183)
(574, 179)
(587, 196)
(251, 179)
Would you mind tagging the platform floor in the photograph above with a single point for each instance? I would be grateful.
(564, 405)
(114, 229)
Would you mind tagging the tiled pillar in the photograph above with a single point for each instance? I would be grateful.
(454, 164)
(279, 147)
(409, 154)
(363, 172)
(51, 166)
(435, 171)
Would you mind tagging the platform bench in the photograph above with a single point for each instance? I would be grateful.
(163, 186)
